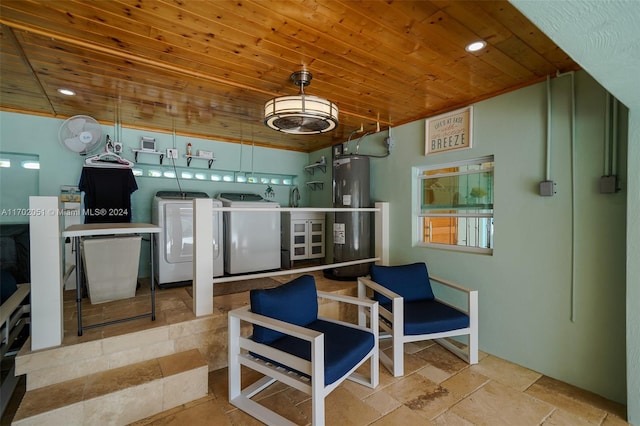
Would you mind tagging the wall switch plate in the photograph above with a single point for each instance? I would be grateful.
(172, 153)
(547, 188)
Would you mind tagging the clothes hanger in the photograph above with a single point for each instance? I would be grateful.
(108, 159)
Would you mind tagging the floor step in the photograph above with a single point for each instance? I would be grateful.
(118, 396)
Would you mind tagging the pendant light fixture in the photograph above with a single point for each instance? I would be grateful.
(301, 114)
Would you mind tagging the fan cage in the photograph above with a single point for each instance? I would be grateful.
(65, 132)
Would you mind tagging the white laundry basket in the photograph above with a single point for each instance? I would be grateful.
(111, 266)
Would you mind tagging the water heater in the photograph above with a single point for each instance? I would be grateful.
(351, 230)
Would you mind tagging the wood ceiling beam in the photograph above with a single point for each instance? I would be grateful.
(23, 57)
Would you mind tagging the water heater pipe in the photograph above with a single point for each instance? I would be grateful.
(240, 163)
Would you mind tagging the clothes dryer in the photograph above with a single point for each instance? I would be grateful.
(251, 238)
(173, 212)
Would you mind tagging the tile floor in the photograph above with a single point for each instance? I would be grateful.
(438, 388)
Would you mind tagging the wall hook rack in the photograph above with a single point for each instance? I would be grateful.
(191, 157)
(315, 184)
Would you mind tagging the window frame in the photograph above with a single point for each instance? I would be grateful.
(419, 213)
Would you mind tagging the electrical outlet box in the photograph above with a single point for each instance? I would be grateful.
(608, 184)
(547, 188)
(172, 153)
(388, 141)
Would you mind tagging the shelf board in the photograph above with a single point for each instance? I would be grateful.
(312, 167)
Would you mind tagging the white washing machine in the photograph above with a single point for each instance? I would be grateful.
(251, 239)
(173, 212)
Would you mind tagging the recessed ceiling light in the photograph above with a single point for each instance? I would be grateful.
(67, 92)
(475, 46)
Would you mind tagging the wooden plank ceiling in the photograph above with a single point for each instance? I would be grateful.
(206, 67)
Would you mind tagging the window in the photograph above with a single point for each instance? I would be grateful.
(456, 205)
(158, 171)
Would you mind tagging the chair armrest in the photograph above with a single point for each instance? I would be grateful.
(451, 284)
(246, 315)
(367, 282)
(472, 298)
(362, 303)
(347, 299)
(14, 301)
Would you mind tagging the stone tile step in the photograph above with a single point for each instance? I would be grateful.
(73, 360)
(118, 396)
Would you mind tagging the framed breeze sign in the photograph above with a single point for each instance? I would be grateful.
(449, 132)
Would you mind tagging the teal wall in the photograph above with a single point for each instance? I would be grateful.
(37, 135)
(525, 287)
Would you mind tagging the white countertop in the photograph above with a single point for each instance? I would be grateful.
(109, 229)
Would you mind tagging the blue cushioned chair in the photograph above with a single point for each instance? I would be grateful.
(409, 312)
(291, 344)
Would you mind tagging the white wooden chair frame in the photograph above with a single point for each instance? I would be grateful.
(393, 325)
(14, 316)
(239, 347)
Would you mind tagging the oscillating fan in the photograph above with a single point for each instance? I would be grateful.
(81, 134)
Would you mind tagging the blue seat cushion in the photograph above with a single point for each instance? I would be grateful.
(295, 302)
(430, 316)
(8, 283)
(344, 347)
(409, 281)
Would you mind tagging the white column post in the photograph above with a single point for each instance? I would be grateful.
(45, 247)
(382, 233)
(202, 257)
